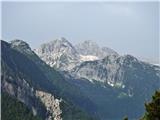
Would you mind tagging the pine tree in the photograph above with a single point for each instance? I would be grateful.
(153, 108)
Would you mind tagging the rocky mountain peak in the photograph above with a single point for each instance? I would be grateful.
(128, 59)
(110, 58)
(89, 43)
(58, 53)
(89, 47)
(62, 41)
(58, 45)
(20, 44)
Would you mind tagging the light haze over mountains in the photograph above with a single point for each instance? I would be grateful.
(79, 60)
(126, 27)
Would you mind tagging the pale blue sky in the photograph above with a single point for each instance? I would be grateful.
(127, 27)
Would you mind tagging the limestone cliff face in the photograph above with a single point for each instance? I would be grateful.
(64, 56)
(59, 54)
(20, 89)
(125, 72)
(26, 94)
(52, 105)
(89, 47)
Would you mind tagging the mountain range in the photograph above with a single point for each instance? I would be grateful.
(26, 78)
(61, 54)
(76, 82)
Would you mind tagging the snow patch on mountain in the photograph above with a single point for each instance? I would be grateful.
(88, 58)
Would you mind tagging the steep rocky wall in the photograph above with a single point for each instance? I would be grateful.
(52, 105)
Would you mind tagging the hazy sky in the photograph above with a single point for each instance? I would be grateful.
(127, 27)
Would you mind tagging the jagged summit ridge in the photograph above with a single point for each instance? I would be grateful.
(61, 54)
(58, 45)
(92, 62)
(89, 47)
(58, 53)
(109, 70)
(20, 44)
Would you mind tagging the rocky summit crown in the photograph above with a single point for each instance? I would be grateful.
(61, 54)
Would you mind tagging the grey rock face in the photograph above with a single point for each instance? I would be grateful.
(21, 46)
(59, 54)
(20, 89)
(91, 48)
(103, 70)
(52, 105)
(88, 60)
(115, 71)
(62, 55)
(28, 95)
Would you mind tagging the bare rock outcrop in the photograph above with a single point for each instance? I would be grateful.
(52, 105)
